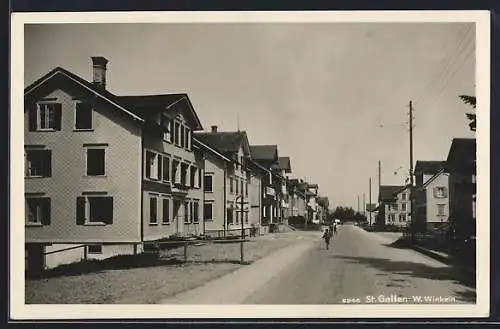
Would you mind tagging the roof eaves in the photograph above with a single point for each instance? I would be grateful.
(212, 150)
(96, 92)
(434, 177)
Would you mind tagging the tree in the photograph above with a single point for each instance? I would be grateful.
(470, 100)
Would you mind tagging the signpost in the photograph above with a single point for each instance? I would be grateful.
(242, 209)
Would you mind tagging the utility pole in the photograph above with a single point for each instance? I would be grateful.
(364, 205)
(379, 174)
(412, 221)
(370, 198)
(358, 203)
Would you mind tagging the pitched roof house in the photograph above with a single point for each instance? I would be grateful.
(93, 157)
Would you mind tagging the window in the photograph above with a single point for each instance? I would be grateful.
(177, 128)
(237, 218)
(153, 165)
(166, 211)
(153, 210)
(168, 133)
(186, 212)
(440, 192)
(264, 211)
(394, 207)
(192, 176)
(402, 217)
(45, 116)
(237, 183)
(403, 207)
(188, 139)
(38, 211)
(229, 215)
(184, 174)
(207, 183)
(83, 116)
(231, 188)
(96, 161)
(94, 249)
(38, 163)
(208, 211)
(392, 217)
(183, 136)
(246, 217)
(403, 196)
(166, 169)
(440, 209)
(196, 218)
(176, 177)
(91, 210)
(241, 186)
(246, 188)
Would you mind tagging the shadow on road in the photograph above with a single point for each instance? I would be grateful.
(412, 269)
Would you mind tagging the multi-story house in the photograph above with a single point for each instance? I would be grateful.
(431, 196)
(267, 157)
(323, 206)
(227, 180)
(285, 169)
(312, 205)
(105, 174)
(297, 197)
(394, 205)
(461, 166)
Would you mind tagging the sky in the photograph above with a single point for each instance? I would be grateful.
(334, 97)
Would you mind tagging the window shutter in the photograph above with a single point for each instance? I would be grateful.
(32, 117)
(160, 163)
(435, 192)
(57, 116)
(47, 163)
(46, 211)
(80, 210)
(108, 210)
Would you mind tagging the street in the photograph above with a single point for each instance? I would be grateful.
(361, 267)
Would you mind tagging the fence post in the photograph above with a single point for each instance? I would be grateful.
(185, 251)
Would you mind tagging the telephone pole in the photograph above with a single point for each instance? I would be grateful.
(364, 205)
(370, 198)
(379, 174)
(412, 221)
(358, 203)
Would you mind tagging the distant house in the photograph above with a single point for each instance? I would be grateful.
(297, 192)
(285, 169)
(323, 205)
(267, 157)
(106, 174)
(394, 205)
(227, 180)
(461, 166)
(312, 204)
(431, 196)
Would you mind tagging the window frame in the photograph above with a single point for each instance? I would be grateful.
(98, 252)
(41, 201)
(166, 169)
(206, 175)
(87, 210)
(94, 148)
(155, 198)
(38, 115)
(45, 168)
(91, 111)
(205, 218)
(169, 212)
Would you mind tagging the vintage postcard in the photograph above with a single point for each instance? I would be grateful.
(250, 164)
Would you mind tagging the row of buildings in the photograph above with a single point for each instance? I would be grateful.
(108, 175)
(443, 197)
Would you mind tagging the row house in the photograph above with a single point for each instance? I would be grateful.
(285, 169)
(312, 205)
(323, 208)
(227, 181)
(394, 205)
(297, 191)
(431, 202)
(461, 167)
(106, 174)
(267, 157)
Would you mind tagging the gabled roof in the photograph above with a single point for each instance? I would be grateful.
(284, 164)
(140, 104)
(389, 192)
(93, 88)
(429, 167)
(264, 152)
(196, 141)
(226, 142)
(436, 175)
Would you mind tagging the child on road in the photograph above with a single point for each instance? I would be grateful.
(326, 237)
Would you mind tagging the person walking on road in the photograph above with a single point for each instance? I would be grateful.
(335, 228)
(326, 236)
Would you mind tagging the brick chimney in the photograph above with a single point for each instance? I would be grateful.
(99, 75)
(214, 129)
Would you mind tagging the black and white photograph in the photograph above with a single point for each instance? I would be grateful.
(246, 164)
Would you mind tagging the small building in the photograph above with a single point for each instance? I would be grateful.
(227, 180)
(431, 196)
(285, 169)
(394, 206)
